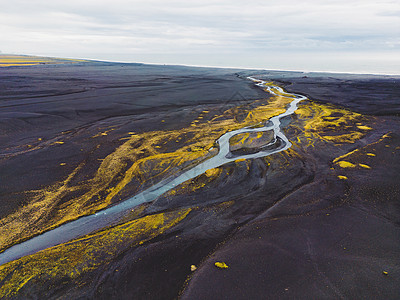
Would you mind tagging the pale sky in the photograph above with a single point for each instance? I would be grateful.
(308, 35)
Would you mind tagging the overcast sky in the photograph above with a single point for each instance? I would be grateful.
(327, 35)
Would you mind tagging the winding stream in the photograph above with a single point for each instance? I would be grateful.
(106, 217)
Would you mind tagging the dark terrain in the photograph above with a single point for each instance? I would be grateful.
(318, 221)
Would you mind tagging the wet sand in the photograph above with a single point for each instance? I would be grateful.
(298, 224)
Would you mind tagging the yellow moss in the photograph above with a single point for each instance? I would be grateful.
(344, 138)
(225, 204)
(30, 217)
(240, 160)
(250, 140)
(18, 65)
(275, 108)
(345, 164)
(364, 127)
(345, 155)
(364, 166)
(221, 265)
(323, 121)
(22, 60)
(85, 254)
(212, 172)
(103, 133)
(16, 61)
(342, 177)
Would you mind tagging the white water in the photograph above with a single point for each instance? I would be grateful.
(109, 216)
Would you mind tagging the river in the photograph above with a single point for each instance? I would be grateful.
(88, 224)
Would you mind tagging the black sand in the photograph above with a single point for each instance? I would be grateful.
(286, 225)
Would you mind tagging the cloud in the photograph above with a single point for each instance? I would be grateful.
(199, 32)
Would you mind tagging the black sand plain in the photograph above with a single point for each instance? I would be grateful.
(318, 221)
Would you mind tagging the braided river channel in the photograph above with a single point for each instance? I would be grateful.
(88, 224)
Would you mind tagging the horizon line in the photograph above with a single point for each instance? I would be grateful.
(216, 67)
